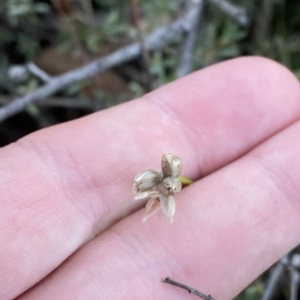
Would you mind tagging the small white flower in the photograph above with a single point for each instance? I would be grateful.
(159, 187)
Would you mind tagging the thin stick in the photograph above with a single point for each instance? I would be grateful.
(145, 53)
(157, 40)
(275, 276)
(189, 289)
(185, 64)
(294, 276)
(294, 281)
(237, 13)
(38, 72)
(88, 10)
(67, 102)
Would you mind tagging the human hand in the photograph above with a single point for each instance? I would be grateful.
(234, 125)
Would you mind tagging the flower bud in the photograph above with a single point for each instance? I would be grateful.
(146, 180)
(171, 165)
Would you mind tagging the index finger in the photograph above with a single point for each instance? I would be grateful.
(63, 185)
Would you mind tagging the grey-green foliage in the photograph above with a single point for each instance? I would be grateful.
(253, 292)
(18, 10)
(273, 32)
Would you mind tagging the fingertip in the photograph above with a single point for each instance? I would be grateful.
(253, 74)
(261, 70)
(231, 106)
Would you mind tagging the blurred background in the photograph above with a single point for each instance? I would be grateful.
(43, 39)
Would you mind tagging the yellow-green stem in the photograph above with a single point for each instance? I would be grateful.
(185, 180)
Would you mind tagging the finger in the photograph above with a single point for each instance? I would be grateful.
(63, 185)
(229, 228)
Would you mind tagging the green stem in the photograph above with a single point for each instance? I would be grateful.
(185, 181)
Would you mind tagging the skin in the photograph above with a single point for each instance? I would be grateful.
(235, 126)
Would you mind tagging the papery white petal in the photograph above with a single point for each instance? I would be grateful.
(171, 165)
(146, 195)
(146, 180)
(164, 203)
(152, 206)
(168, 206)
(171, 208)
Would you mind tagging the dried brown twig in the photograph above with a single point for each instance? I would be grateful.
(189, 289)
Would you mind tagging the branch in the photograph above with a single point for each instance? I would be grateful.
(294, 281)
(66, 102)
(185, 65)
(275, 276)
(189, 289)
(237, 13)
(38, 72)
(145, 53)
(157, 40)
(294, 276)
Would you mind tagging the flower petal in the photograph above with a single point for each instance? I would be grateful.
(146, 195)
(146, 180)
(171, 165)
(151, 207)
(171, 208)
(168, 206)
